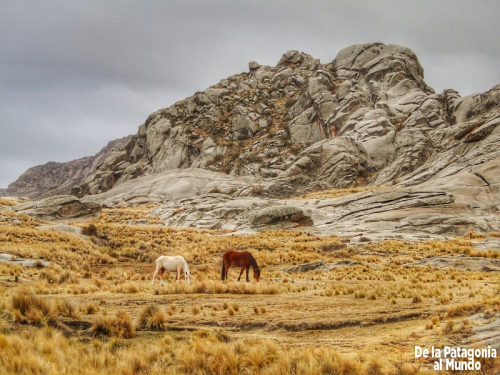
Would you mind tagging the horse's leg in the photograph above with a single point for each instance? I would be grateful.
(156, 273)
(177, 275)
(248, 268)
(241, 272)
(162, 272)
(227, 268)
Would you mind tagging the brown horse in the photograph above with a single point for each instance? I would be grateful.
(244, 259)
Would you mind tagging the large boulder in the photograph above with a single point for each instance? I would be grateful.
(305, 129)
(243, 128)
(276, 214)
(350, 60)
(319, 264)
(298, 59)
(253, 65)
(59, 207)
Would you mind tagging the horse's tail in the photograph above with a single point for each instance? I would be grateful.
(223, 270)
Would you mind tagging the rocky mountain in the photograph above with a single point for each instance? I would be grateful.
(367, 118)
(224, 157)
(54, 178)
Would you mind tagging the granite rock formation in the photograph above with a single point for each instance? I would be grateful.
(367, 118)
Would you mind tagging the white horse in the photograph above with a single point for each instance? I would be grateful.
(172, 264)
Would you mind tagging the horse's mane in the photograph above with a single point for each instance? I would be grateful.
(254, 262)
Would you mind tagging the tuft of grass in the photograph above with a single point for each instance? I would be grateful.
(474, 235)
(67, 277)
(448, 327)
(417, 298)
(119, 325)
(68, 309)
(360, 294)
(31, 309)
(90, 308)
(151, 317)
(465, 309)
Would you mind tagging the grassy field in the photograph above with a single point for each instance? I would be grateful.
(93, 310)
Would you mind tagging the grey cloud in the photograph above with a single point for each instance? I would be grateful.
(74, 75)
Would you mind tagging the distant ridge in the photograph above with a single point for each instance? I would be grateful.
(54, 178)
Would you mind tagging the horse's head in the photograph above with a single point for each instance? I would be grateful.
(256, 274)
(187, 275)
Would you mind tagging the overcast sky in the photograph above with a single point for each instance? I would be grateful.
(77, 74)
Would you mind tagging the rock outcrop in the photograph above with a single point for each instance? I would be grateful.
(307, 267)
(403, 213)
(12, 259)
(173, 185)
(58, 208)
(460, 262)
(486, 332)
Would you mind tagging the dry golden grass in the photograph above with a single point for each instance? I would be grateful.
(119, 325)
(152, 317)
(28, 308)
(474, 235)
(77, 316)
(119, 215)
(24, 240)
(47, 351)
(7, 202)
